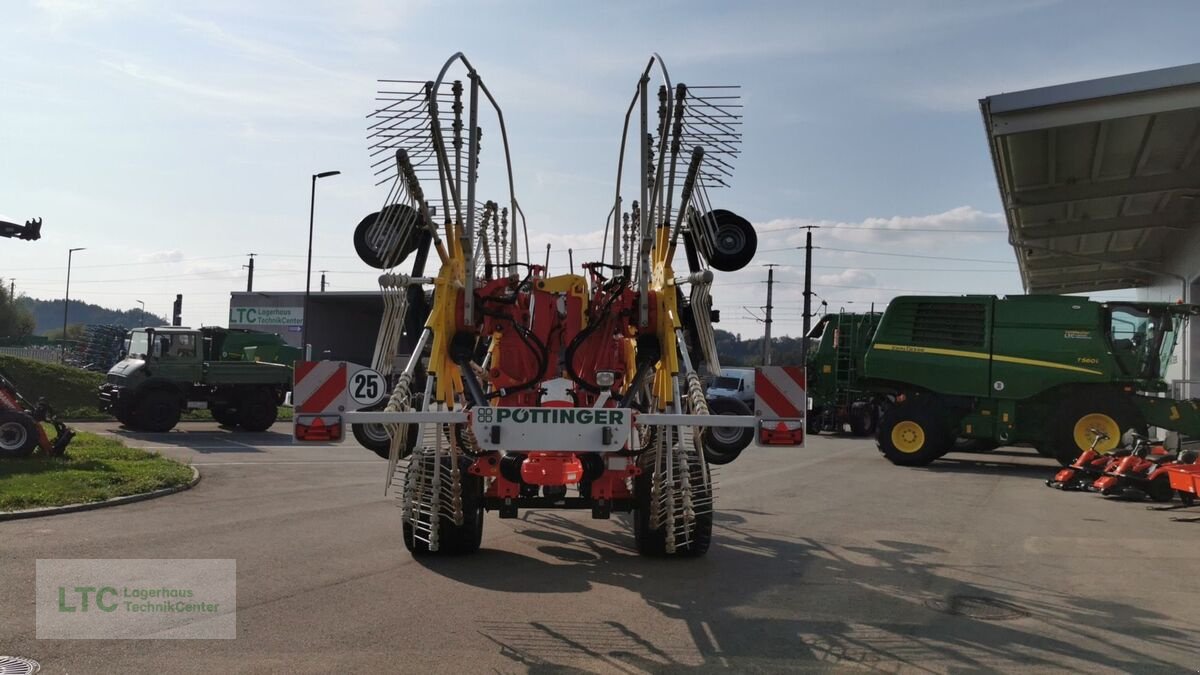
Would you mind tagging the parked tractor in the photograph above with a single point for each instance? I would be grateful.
(1047, 370)
(837, 347)
(169, 370)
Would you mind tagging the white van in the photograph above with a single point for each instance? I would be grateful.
(735, 383)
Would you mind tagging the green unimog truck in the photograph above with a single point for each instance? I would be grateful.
(1046, 370)
(171, 369)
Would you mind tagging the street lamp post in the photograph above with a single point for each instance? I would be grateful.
(142, 317)
(66, 304)
(312, 205)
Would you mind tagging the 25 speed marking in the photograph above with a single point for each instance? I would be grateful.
(366, 387)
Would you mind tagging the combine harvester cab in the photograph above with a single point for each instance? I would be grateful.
(526, 389)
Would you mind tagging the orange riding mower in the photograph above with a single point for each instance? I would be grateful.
(1141, 469)
(21, 428)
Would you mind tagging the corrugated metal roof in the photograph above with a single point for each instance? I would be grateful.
(1099, 179)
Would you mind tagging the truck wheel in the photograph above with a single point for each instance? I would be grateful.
(722, 445)
(862, 419)
(1070, 427)
(453, 539)
(125, 416)
(257, 410)
(374, 437)
(18, 434)
(157, 411)
(911, 434)
(813, 422)
(226, 416)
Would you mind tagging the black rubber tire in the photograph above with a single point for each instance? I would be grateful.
(735, 242)
(722, 445)
(18, 435)
(863, 419)
(1060, 436)
(1159, 489)
(157, 410)
(920, 411)
(1186, 498)
(812, 422)
(454, 539)
(368, 253)
(374, 437)
(124, 415)
(257, 410)
(653, 541)
(226, 416)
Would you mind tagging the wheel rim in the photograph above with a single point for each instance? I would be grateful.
(376, 432)
(730, 240)
(727, 435)
(13, 436)
(908, 437)
(1082, 433)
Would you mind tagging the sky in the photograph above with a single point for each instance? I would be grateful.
(171, 139)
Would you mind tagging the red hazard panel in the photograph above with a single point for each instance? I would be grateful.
(320, 387)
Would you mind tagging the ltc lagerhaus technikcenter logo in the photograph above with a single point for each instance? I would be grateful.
(137, 599)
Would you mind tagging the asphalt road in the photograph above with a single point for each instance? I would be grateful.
(826, 558)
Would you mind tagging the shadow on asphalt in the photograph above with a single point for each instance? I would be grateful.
(994, 463)
(757, 602)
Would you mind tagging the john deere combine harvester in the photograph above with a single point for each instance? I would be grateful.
(531, 390)
(1041, 369)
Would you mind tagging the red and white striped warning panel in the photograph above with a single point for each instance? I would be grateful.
(319, 396)
(780, 403)
(320, 386)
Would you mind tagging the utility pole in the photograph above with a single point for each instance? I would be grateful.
(323, 280)
(250, 277)
(807, 293)
(767, 321)
(12, 289)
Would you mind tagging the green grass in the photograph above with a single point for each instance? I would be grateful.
(97, 468)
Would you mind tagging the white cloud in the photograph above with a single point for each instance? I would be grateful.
(914, 231)
(171, 256)
(847, 277)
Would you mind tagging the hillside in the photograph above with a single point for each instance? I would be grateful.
(48, 315)
(71, 391)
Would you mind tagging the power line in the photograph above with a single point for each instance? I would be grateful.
(899, 230)
(895, 255)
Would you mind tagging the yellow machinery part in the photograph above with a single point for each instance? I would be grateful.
(908, 437)
(1082, 432)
